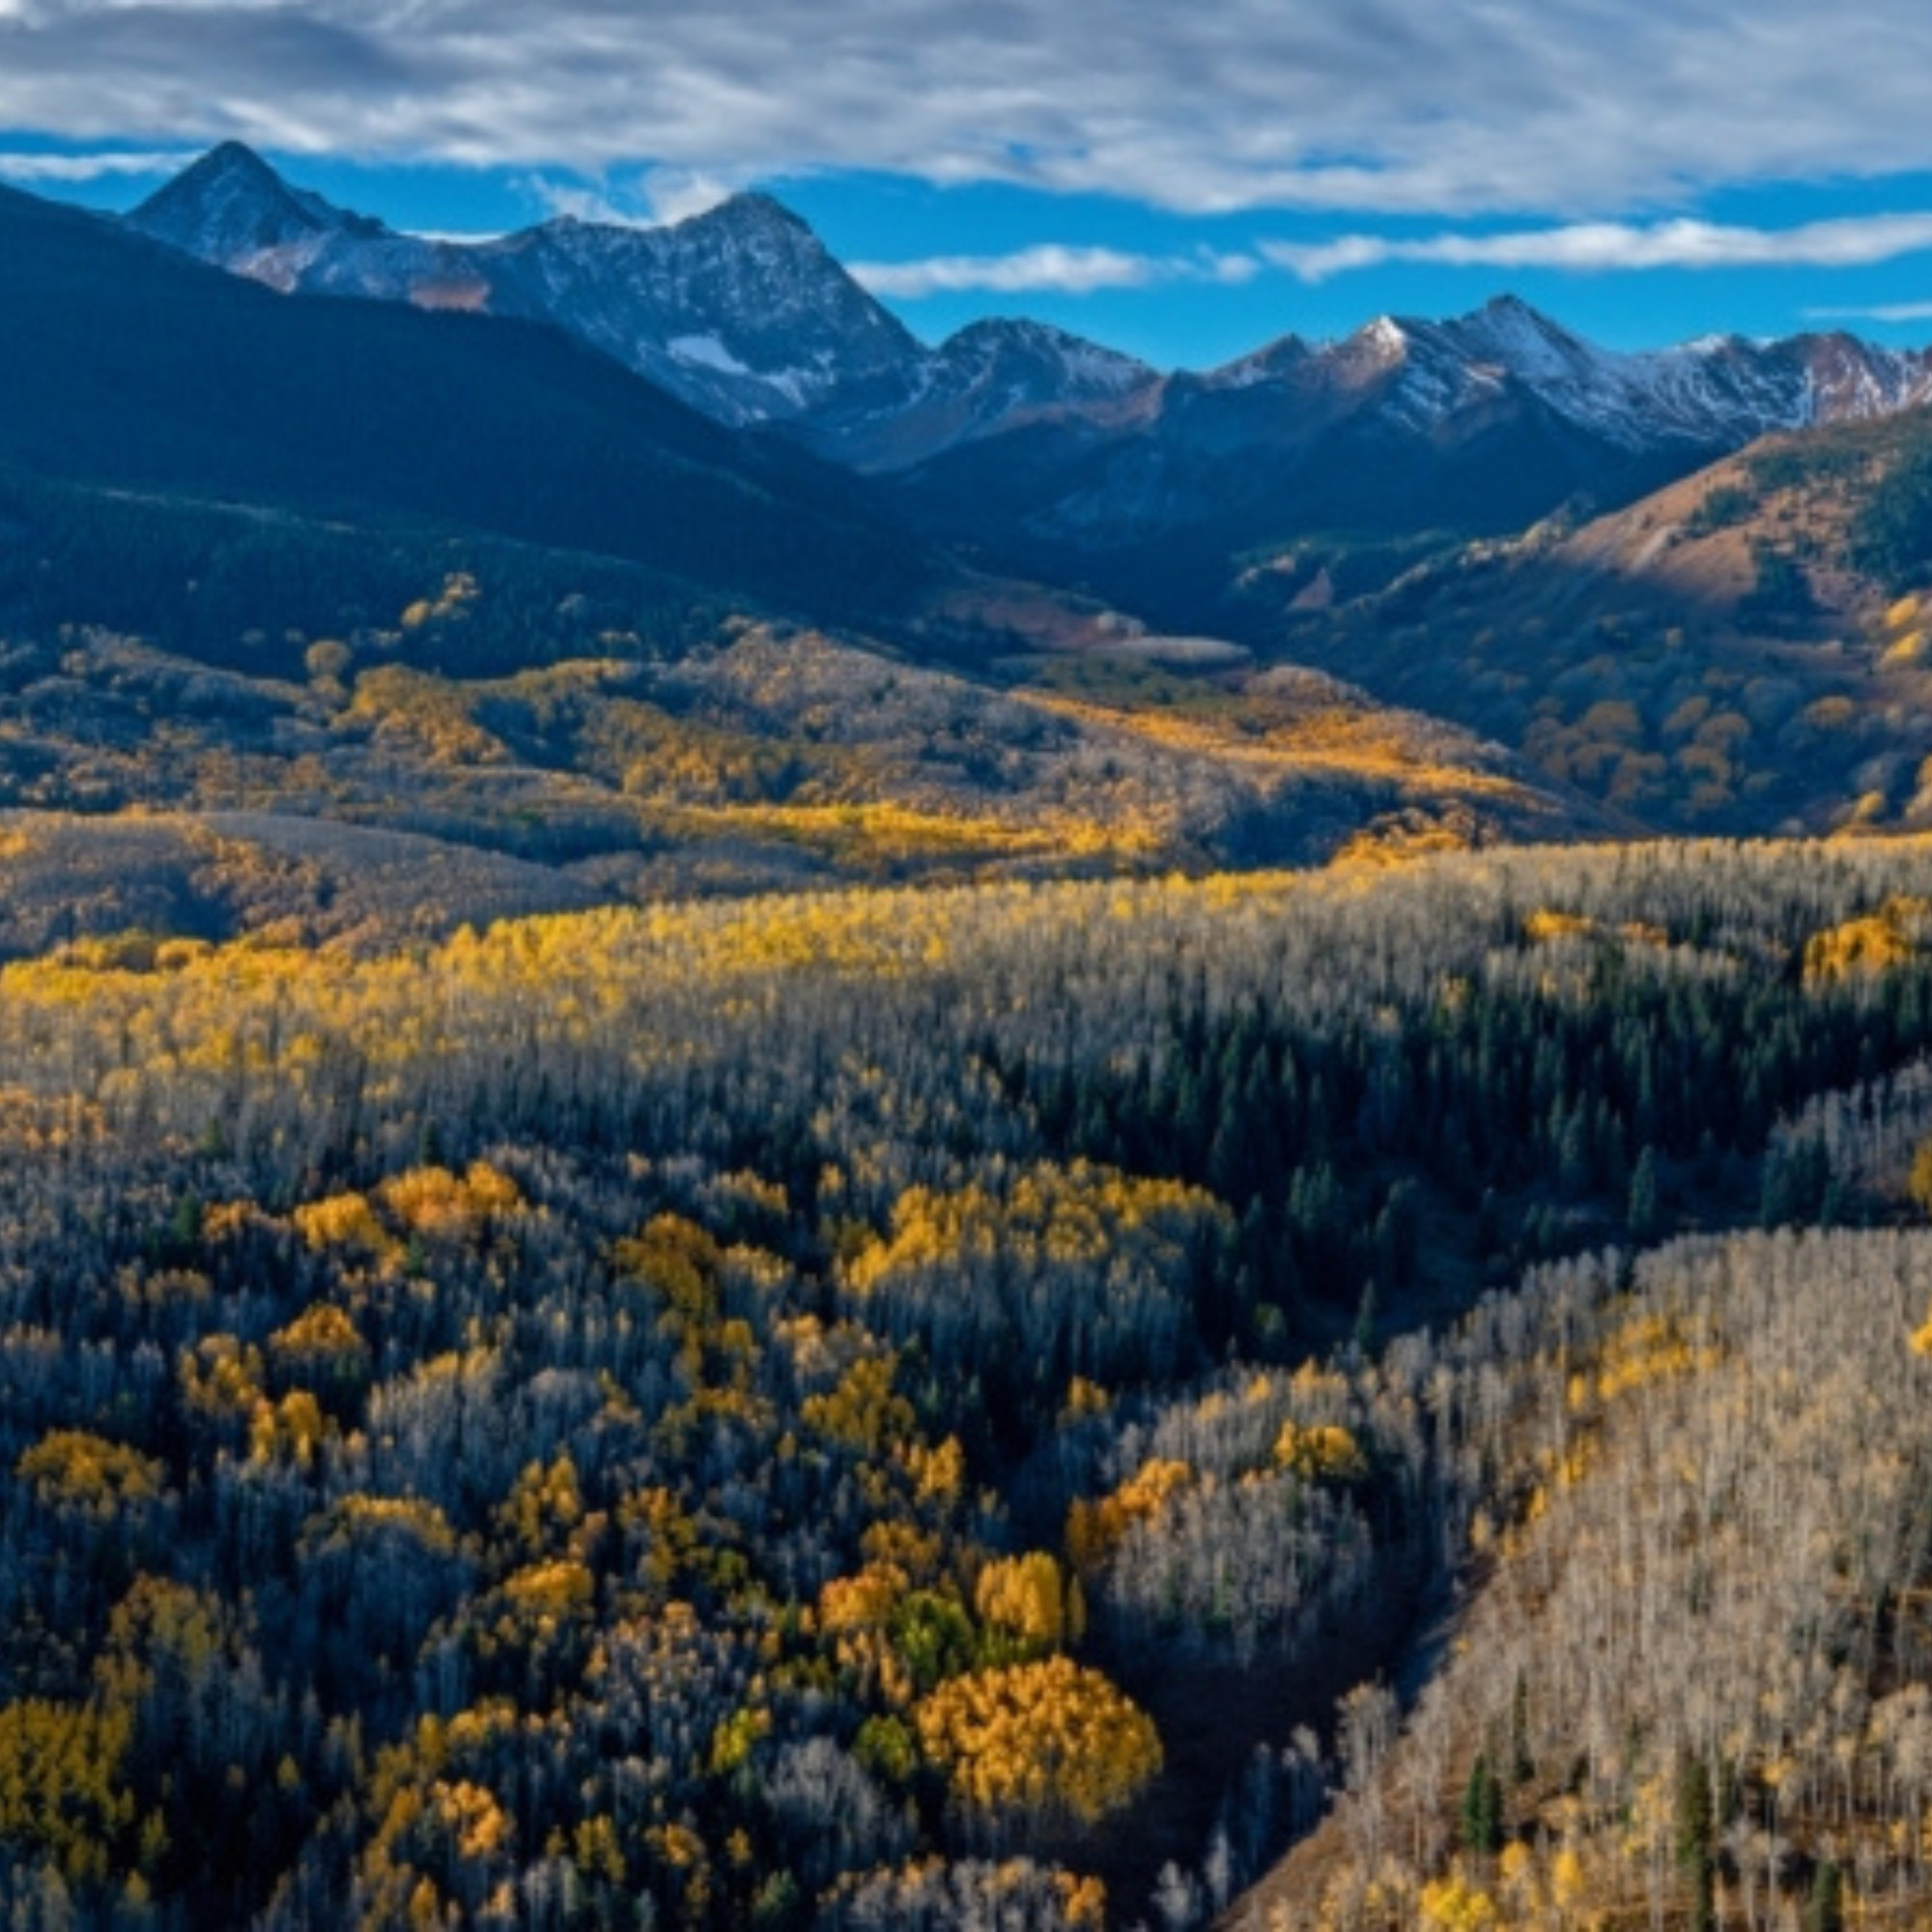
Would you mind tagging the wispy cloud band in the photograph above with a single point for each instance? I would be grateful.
(76, 169)
(1599, 246)
(1049, 267)
(1594, 247)
(1899, 311)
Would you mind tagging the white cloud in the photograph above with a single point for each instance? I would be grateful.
(582, 204)
(72, 169)
(1050, 267)
(676, 194)
(651, 199)
(1854, 242)
(1906, 311)
(1566, 108)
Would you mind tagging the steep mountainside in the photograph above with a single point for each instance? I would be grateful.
(617, 746)
(1687, 1686)
(739, 312)
(130, 367)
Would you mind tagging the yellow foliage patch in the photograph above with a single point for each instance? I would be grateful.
(342, 1221)
(469, 1813)
(880, 837)
(1650, 1348)
(1047, 1740)
(61, 1789)
(1859, 947)
(289, 1430)
(864, 1411)
(433, 1202)
(549, 1589)
(1050, 1216)
(322, 1333)
(1543, 926)
(1027, 1601)
(74, 1469)
(222, 1376)
(1095, 1530)
(1324, 1452)
(1453, 1904)
(360, 1515)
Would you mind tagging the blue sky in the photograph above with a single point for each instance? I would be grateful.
(1186, 183)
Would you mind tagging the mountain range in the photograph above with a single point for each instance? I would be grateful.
(458, 576)
(1481, 422)
(740, 312)
(243, 473)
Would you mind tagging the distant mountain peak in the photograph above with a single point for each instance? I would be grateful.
(744, 212)
(1021, 329)
(1045, 342)
(230, 168)
(227, 157)
(232, 208)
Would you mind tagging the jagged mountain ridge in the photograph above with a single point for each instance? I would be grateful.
(1717, 390)
(1483, 424)
(743, 312)
(1052, 456)
(740, 312)
(989, 377)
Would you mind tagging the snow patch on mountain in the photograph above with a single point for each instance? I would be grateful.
(705, 352)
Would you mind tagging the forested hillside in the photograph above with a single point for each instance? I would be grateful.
(1690, 1687)
(908, 1408)
(636, 737)
(1740, 652)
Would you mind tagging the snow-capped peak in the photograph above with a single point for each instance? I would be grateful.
(1387, 334)
(739, 310)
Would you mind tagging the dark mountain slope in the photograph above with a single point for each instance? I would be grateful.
(128, 366)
